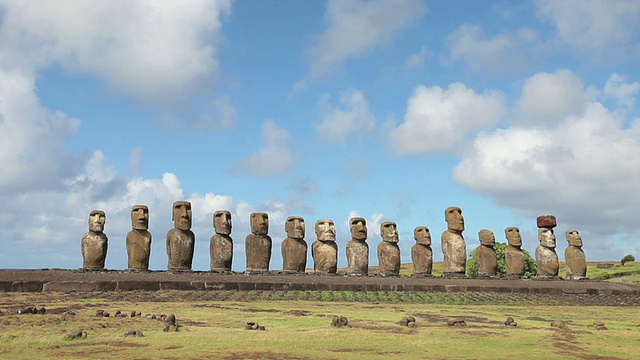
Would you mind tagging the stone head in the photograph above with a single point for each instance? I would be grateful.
(486, 237)
(97, 219)
(454, 219)
(259, 223)
(326, 230)
(358, 228)
(140, 217)
(513, 236)
(222, 222)
(294, 227)
(422, 235)
(182, 215)
(573, 238)
(389, 231)
(547, 237)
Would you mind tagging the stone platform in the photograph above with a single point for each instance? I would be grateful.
(60, 280)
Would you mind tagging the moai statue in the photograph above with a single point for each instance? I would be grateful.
(388, 250)
(357, 248)
(94, 242)
(574, 256)
(546, 256)
(294, 248)
(421, 253)
(486, 254)
(453, 245)
(513, 254)
(221, 243)
(180, 239)
(258, 244)
(324, 250)
(139, 239)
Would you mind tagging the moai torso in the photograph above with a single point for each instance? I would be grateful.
(454, 248)
(325, 256)
(514, 257)
(221, 243)
(357, 248)
(94, 243)
(388, 258)
(294, 248)
(574, 256)
(422, 257)
(547, 260)
(138, 240)
(487, 260)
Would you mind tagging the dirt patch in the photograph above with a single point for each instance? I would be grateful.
(258, 355)
(298, 312)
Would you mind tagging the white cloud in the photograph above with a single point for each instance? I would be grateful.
(550, 97)
(438, 119)
(502, 53)
(592, 25)
(416, 60)
(159, 52)
(339, 125)
(619, 89)
(273, 158)
(356, 27)
(584, 167)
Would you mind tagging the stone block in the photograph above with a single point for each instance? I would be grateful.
(547, 221)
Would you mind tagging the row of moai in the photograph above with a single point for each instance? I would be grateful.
(180, 242)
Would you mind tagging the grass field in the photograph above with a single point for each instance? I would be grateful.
(301, 329)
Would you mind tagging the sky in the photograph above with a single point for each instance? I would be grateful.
(392, 110)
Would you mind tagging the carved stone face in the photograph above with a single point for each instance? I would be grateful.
(182, 215)
(389, 231)
(547, 237)
(259, 223)
(222, 222)
(97, 219)
(140, 217)
(454, 219)
(486, 237)
(573, 238)
(422, 235)
(325, 230)
(295, 227)
(513, 236)
(358, 228)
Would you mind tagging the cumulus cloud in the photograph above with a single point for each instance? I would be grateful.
(619, 89)
(160, 53)
(438, 119)
(356, 27)
(550, 97)
(497, 55)
(584, 166)
(273, 158)
(591, 25)
(339, 125)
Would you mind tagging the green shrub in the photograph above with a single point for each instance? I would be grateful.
(530, 266)
(626, 259)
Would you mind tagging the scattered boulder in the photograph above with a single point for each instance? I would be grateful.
(456, 322)
(32, 310)
(409, 321)
(254, 326)
(599, 325)
(135, 333)
(339, 321)
(171, 318)
(510, 322)
(78, 334)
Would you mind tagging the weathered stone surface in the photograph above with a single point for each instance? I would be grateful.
(221, 243)
(513, 254)
(547, 221)
(180, 239)
(258, 244)
(421, 252)
(324, 250)
(94, 243)
(388, 250)
(546, 257)
(486, 254)
(357, 248)
(139, 239)
(294, 248)
(454, 248)
(574, 256)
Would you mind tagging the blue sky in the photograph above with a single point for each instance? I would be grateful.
(389, 110)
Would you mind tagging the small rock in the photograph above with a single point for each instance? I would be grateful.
(412, 325)
(510, 322)
(411, 319)
(42, 310)
(560, 324)
(404, 321)
(170, 328)
(136, 333)
(79, 334)
(599, 325)
(457, 322)
(171, 318)
(261, 328)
